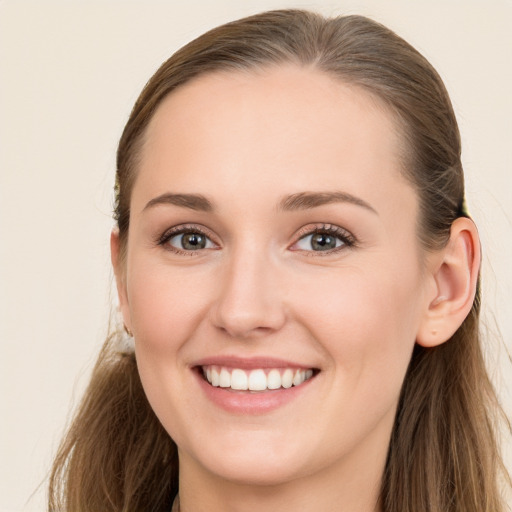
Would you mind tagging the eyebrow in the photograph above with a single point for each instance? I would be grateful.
(294, 202)
(196, 202)
(307, 200)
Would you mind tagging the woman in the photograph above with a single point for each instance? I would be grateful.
(299, 278)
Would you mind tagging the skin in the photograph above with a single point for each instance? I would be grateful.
(245, 141)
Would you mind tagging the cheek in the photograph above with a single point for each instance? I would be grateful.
(366, 321)
(166, 307)
(166, 303)
(368, 333)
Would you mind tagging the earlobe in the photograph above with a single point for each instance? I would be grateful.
(120, 276)
(454, 277)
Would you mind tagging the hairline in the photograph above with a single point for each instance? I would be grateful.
(403, 145)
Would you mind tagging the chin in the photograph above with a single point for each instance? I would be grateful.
(253, 463)
(255, 473)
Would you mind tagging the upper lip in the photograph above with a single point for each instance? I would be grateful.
(249, 363)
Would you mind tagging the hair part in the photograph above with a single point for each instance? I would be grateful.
(443, 454)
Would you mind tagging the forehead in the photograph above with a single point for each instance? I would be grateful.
(289, 128)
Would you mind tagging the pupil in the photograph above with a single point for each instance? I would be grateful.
(193, 241)
(323, 242)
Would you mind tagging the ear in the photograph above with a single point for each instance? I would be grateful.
(454, 273)
(118, 264)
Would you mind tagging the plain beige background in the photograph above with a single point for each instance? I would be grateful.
(70, 72)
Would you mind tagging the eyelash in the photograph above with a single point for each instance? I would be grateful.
(347, 239)
(180, 230)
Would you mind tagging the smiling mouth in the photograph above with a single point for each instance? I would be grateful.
(258, 379)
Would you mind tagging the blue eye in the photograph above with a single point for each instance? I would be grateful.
(319, 242)
(324, 239)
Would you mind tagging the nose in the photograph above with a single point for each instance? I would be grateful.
(249, 303)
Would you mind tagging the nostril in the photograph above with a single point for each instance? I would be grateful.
(248, 302)
(246, 332)
(244, 322)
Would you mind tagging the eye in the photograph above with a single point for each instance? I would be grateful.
(319, 242)
(190, 241)
(326, 238)
(186, 240)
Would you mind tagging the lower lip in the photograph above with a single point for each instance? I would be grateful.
(247, 402)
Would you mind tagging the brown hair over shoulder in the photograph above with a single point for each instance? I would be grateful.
(443, 454)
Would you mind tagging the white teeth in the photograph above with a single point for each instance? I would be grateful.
(255, 380)
(274, 379)
(299, 377)
(224, 378)
(215, 377)
(287, 378)
(239, 380)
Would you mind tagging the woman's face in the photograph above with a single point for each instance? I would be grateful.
(272, 243)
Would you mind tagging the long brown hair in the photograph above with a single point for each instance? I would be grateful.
(443, 454)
